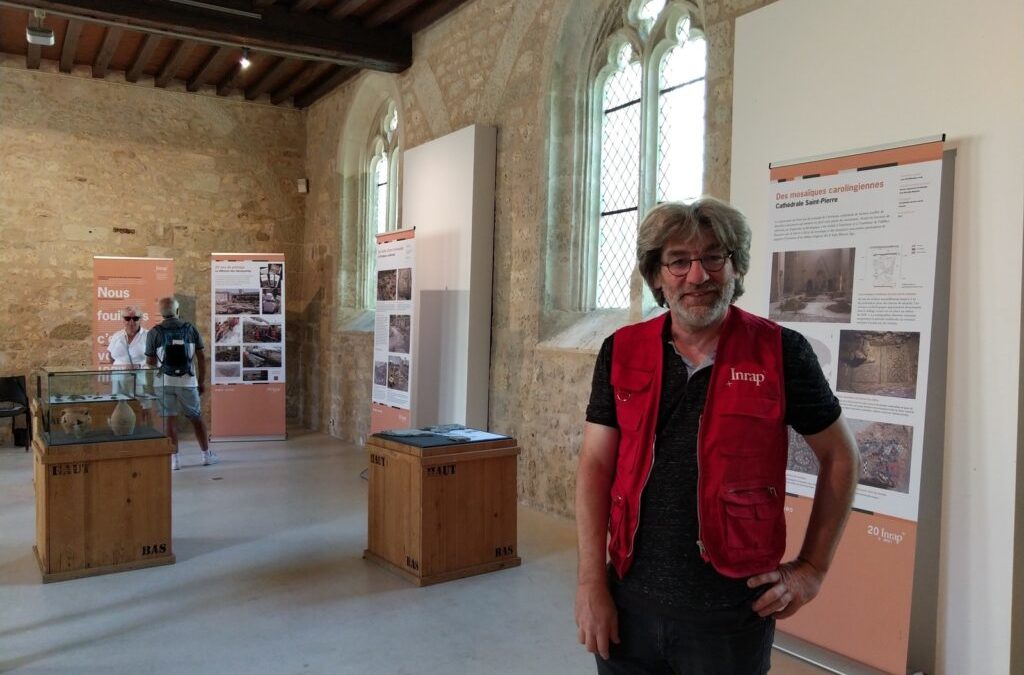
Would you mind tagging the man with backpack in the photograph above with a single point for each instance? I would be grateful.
(177, 348)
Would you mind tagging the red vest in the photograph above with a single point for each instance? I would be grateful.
(742, 444)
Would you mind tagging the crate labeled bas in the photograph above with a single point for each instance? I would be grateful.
(102, 475)
(444, 512)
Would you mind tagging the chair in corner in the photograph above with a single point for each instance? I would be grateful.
(14, 402)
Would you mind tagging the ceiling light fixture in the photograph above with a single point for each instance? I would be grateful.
(244, 62)
(38, 34)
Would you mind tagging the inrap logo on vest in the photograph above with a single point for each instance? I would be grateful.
(746, 376)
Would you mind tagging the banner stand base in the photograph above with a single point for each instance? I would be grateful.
(234, 439)
(821, 657)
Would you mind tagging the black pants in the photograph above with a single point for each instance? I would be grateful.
(721, 642)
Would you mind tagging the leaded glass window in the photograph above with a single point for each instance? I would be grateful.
(381, 190)
(651, 134)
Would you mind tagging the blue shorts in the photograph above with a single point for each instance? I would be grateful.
(187, 398)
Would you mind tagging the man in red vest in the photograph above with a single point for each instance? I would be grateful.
(680, 491)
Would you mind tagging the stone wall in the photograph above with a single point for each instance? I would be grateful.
(503, 63)
(185, 174)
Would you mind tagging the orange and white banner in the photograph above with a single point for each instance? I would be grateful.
(853, 244)
(119, 282)
(248, 346)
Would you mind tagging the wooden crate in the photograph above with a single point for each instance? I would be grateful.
(442, 513)
(103, 507)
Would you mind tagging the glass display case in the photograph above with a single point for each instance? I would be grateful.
(84, 405)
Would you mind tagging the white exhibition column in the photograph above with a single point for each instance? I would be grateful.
(448, 197)
(816, 77)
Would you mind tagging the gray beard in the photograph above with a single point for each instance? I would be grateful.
(702, 317)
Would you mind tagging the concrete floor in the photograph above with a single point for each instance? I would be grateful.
(270, 579)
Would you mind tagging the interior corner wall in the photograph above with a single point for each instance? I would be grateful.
(99, 167)
(812, 78)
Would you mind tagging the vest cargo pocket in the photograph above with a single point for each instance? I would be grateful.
(749, 515)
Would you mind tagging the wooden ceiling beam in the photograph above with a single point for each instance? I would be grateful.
(277, 30)
(325, 86)
(345, 8)
(70, 46)
(149, 44)
(306, 76)
(111, 39)
(389, 11)
(429, 14)
(230, 81)
(212, 62)
(268, 78)
(303, 5)
(173, 63)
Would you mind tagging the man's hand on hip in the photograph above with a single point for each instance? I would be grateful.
(597, 618)
(794, 584)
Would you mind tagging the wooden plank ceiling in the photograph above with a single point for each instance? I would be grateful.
(299, 49)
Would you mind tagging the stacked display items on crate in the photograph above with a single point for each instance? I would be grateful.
(102, 473)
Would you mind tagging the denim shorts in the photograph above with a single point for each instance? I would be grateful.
(187, 398)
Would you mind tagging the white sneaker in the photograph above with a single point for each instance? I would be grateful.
(175, 462)
(210, 457)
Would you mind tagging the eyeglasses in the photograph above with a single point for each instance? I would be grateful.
(712, 262)
(132, 318)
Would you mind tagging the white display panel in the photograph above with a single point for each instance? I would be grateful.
(247, 303)
(392, 334)
(448, 197)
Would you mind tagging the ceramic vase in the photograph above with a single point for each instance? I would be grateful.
(122, 420)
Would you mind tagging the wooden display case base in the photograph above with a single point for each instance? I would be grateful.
(442, 512)
(444, 576)
(96, 571)
(102, 507)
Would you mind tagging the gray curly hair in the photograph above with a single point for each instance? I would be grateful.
(671, 220)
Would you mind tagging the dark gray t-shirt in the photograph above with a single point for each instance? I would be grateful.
(668, 573)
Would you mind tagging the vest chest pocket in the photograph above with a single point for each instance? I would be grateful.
(750, 422)
(631, 395)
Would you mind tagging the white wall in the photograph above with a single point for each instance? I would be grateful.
(813, 77)
(448, 197)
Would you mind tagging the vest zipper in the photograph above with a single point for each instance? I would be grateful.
(700, 535)
(640, 499)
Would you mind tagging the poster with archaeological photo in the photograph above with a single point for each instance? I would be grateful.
(393, 323)
(853, 253)
(853, 246)
(247, 304)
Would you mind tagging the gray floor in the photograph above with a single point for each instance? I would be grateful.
(270, 579)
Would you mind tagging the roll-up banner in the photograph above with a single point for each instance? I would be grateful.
(247, 346)
(119, 282)
(391, 402)
(853, 242)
